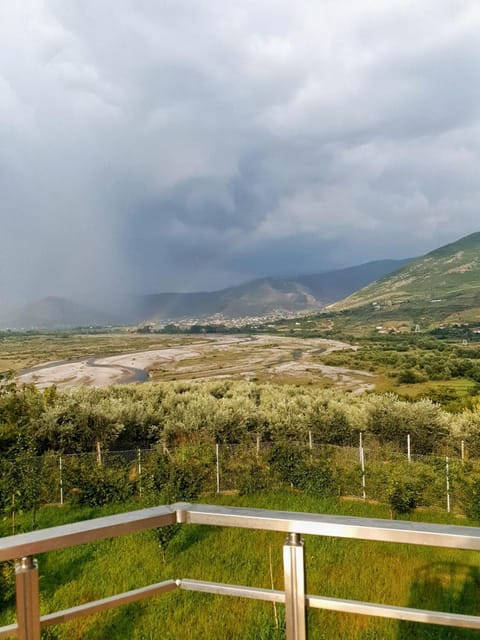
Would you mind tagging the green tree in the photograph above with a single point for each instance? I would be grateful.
(401, 497)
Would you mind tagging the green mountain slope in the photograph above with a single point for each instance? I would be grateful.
(445, 281)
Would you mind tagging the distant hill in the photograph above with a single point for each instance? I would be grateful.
(444, 283)
(56, 313)
(252, 299)
(262, 296)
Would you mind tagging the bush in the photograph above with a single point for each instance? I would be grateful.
(253, 478)
(177, 479)
(103, 485)
(471, 498)
(402, 497)
(184, 482)
(7, 583)
(409, 376)
(318, 480)
(288, 461)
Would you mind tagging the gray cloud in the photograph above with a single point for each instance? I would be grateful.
(150, 146)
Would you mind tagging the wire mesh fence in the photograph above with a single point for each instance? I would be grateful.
(368, 471)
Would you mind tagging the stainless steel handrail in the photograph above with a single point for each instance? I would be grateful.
(69, 535)
(25, 546)
(435, 535)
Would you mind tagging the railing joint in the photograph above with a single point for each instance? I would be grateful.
(181, 510)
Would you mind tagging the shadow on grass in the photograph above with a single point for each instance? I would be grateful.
(63, 567)
(121, 623)
(187, 537)
(448, 587)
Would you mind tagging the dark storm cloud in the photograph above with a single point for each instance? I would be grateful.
(181, 145)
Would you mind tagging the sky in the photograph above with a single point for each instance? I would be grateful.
(184, 145)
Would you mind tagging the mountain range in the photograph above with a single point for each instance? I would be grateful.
(443, 285)
(256, 298)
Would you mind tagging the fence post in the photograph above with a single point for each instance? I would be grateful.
(409, 456)
(60, 473)
(99, 453)
(139, 469)
(217, 456)
(463, 450)
(310, 441)
(13, 513)
(362, 463)
(294, 575)
(28, 599)
(447, 476)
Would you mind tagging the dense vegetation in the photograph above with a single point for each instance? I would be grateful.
(420, 359)
(443, 363)
(264, 432)
(271, 435)
(123, 417)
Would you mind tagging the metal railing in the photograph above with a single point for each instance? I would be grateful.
(26, 546)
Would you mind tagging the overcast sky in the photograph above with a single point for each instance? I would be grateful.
(159, 145)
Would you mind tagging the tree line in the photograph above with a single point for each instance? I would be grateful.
(172, 413)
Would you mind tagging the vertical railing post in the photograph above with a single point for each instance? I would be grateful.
(294, 575)
(28, 599)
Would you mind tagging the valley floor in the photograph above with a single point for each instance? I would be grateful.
(273, 358)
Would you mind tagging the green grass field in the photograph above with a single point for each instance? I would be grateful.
(404, 575)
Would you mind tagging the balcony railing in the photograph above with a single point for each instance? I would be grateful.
(26, 546)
